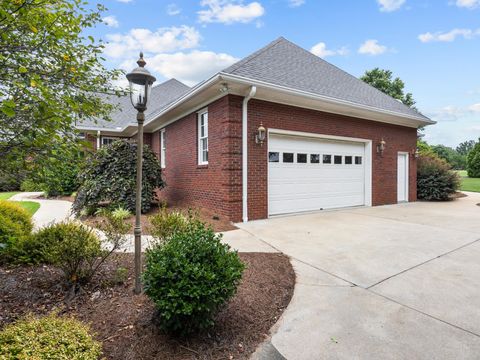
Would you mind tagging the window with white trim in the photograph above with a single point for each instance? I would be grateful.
(162, 149)
(203, 137)
(107, 140)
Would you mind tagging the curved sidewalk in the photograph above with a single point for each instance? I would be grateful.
(50, 211)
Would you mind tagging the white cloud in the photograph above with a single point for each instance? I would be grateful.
(469, 4)
(229, 11)
(390, 5)
(111, 21)
(173, 9)
(321, 50)
(475, 108)
(125, 1)
(296, 3)
(159, 41)
(447, 113)
(169, 52)
(372, 47)
(448, 36)
(191, 67)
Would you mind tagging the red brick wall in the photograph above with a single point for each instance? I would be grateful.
(214, 186)
(277, 116)
(155, 143)
(218, 186)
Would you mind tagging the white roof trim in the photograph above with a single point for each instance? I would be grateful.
(262, 84)
(248, 81)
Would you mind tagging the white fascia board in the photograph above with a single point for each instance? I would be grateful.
(193, 92)
(326, 99)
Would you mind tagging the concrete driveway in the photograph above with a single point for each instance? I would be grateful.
(390, 282)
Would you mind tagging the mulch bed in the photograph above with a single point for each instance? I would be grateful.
(217, 222)
(124, 322)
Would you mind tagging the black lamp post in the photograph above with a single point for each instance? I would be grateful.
(140, 81)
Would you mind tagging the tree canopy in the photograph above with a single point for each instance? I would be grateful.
(51, 75)
(383, 81)
(465, 147)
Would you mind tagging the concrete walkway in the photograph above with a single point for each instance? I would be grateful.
(390, 282)
(50, 211)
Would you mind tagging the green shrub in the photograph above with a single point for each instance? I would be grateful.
(49, 337)
(165, 223)
(74, 248)
(11, 179)
(435, 180)
(121, 213)
(189, 277)
(31, 185)
(473, 161)
(56, 173)
(109, 176)
(70, 246)
(15, 226)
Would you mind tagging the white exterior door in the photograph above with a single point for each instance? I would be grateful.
(310, 173)
(402, 177)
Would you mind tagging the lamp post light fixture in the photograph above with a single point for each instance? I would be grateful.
(140, 81)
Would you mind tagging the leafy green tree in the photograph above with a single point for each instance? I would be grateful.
(51, 75)
(473, 161)
(465, 147)
(55, 174)
(383, 81)
(451, 156)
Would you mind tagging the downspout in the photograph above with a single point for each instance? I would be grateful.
(251, 94)
(98, 140)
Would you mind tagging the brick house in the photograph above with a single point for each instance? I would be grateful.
(330, 141)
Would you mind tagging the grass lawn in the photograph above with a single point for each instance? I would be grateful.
(30, 206)
(468, 184)
(7, 195)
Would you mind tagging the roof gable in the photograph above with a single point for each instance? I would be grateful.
(160, 96)
(286, 64)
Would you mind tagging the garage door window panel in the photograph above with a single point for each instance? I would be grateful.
(301, 158)
(314, 158)
(274, 156)
(288, 157)
(337, 159)
(327, 159)
(358, 160)
(348, 160)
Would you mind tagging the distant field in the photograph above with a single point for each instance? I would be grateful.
(468, 184)
(30, 206)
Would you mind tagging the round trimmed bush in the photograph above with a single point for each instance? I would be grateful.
(435, 180)
(473, 161)
(189, 277)
(49, 337)
(70, 246)
(15, 226)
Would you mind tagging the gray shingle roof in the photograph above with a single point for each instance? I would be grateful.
(286, 64)
(161, 95)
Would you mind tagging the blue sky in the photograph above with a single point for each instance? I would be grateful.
(433, 45)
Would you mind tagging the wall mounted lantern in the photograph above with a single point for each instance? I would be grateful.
(260, 135)
(381, 147)
(414, 153)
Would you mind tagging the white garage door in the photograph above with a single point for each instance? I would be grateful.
(306, 174)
